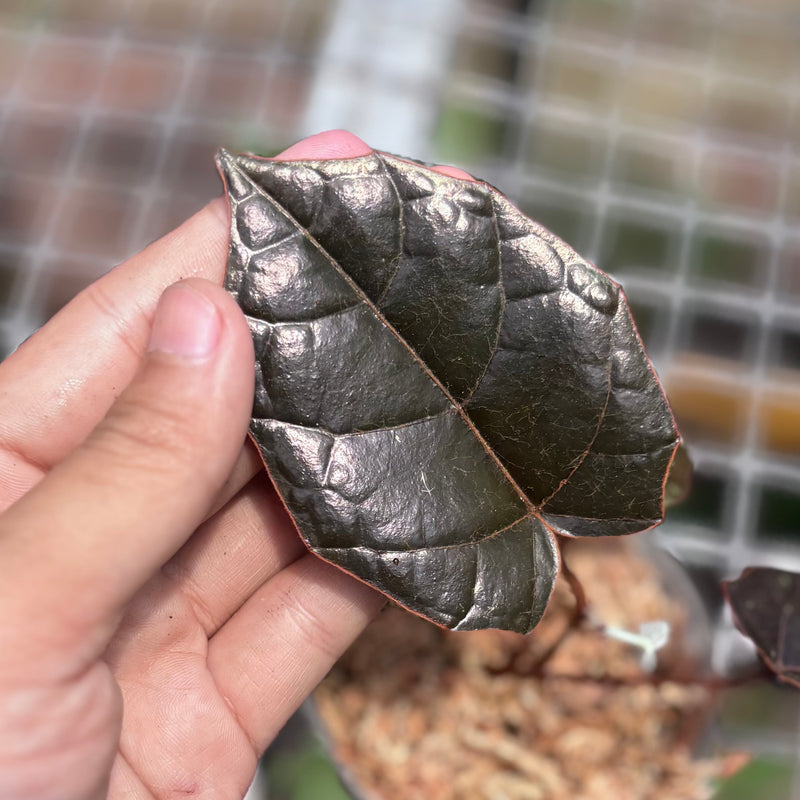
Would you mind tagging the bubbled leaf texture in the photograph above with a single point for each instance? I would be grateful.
(441, 383)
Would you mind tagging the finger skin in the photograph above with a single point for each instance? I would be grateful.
(121, 504)
(234, 553)
(61, 382)
(272, 653)
(328, 144)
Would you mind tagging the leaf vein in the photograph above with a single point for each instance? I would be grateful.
(362, 432)
(429, 548)
(582, 457)
(503, 303)
(401, 227)
(283, 322)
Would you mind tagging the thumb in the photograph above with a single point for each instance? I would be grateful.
(77, 547)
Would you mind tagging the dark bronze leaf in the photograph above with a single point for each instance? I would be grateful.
(766, 608)
(441, 383)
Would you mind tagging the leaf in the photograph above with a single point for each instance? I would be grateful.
(766, 608)
(679, 478)
(441, 383)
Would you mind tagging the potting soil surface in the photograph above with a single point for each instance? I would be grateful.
(414, 711)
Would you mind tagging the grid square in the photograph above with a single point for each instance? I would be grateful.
(739, 181)
(118, 153)
(247, 23)
(720, 336)
(721, 257)
(568, 152)
(789, 274)
(306, 24)
(741, 111)
(594, 18)
(142, 79)
(778, 512)
(763, 48)
(223, 85)
(792, 199)
(283, 92)
(37, 143)
(468, 134)
(638, 244)
(681, 26)
(190, 161)
(578, 79)
(652, 167)
(786, 348)
(711, 400)
(24, 208)
(9, 268)
(21, 13)
(778, 417)
(84, 16)
(488, 58)
(96, 222)
(165, 20)
(11, 49)
(705, 506)
(662, 95)
(64, 72)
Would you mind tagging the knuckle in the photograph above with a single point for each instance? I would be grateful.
(311, 629)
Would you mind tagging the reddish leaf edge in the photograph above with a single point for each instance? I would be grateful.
(533, 510)
(774, 668)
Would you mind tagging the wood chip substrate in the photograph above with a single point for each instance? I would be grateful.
(413, 711)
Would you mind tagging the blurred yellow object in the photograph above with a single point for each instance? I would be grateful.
(713, 398)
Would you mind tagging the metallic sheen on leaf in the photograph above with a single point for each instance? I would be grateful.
(441, 384)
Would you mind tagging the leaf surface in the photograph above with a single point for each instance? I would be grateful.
(766, 608)
(441, 383)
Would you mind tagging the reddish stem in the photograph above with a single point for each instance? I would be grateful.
(581, 610)
(577, 617)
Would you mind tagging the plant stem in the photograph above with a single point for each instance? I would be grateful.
(581, 610)
(579, 616)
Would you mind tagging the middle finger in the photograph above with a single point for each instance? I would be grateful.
(234, 552)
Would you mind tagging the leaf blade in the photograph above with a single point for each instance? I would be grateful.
(766, 608)
(429, 271)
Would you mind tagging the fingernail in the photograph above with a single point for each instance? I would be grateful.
(186, 324)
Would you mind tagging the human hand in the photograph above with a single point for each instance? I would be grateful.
(161, 617)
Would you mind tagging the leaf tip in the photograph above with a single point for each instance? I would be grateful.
(224, 160)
